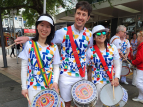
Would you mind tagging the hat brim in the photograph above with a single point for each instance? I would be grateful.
(46, 18)
(106, 29)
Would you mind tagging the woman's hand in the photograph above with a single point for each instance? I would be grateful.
(55, 86)
(116, 82)
(24, 92)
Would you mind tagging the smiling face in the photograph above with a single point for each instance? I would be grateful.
(123, 33)
(44, 29)
(101, 38)
(81, 17)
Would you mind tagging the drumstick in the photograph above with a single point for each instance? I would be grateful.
(126, 59)
(10, 45)
(28, 99)
(113, 84)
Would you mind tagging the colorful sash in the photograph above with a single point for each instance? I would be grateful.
(40, 64)
(103, 62)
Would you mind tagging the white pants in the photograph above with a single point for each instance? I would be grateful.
(65, 85)
(31, 94)
(139, 83)
(99, 103)
(134, 76)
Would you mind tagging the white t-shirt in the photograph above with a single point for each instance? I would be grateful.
(49, 56)
(116, 42)
(83, 40)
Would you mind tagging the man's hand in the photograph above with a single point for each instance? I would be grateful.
(116, 82)
(55, 86)
(21, 39)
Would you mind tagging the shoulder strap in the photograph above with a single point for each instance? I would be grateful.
(40, 64)
(114, 39)
(73, 45)
(103, 61)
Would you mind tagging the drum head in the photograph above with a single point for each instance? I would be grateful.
(125, 71)
(84, 92)
(106, 95)
(46, 98)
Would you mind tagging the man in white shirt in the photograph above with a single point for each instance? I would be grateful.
(116, 40)
(83, 39)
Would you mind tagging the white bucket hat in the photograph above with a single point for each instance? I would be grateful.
(46, 18)
(99, 28)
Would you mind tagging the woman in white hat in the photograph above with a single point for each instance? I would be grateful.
(31, 77)
(96, 71)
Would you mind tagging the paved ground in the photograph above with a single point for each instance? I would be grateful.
(10, 90)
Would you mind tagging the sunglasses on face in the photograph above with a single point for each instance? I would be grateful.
(99, 33)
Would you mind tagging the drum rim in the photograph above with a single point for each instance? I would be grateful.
(84, 80)
(84, 104)
(62, 101)
(128, 72)
(44, 90)
(102, 88)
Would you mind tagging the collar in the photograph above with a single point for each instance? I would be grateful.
(73, 28)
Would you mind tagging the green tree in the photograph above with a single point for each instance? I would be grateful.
(32, 8)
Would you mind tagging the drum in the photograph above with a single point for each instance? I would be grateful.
(84, 93)
(46, 98)
(106, 96)
(125, 69)
(61, 103)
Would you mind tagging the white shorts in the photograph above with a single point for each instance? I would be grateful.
(31, 94)
(65, 85)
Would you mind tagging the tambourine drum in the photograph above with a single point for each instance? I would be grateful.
(106, 96)
(84, 93)
(61, 103)
(125, 69)
(46, 98)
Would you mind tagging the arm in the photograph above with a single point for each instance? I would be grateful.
(24, 77)
(89, 73)
(138, 59)
(22, 39)
(56, 77)
(128, 51)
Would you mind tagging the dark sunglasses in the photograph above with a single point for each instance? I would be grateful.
(99, 33)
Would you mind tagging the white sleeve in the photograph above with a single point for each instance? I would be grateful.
(116, 53)
(30, 38)
(91, 42)
(24, 69)
(128, 44)
(59, 35)
(117, 43)
(56, 59)
(117, 68)
(24, 54)
(56, 72)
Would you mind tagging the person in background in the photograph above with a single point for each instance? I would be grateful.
(138, 62)
(133, 43)
(127, 36)
(125, 49)
(12, 48)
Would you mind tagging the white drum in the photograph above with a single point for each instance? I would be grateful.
(84, 93)
(106, 95)
(125, 69)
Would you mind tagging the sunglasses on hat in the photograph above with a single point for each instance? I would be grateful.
(99, 33)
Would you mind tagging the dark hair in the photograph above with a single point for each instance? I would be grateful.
(105, 42)
(85, 6)
(51, 36)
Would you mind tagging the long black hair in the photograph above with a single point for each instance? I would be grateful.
(105, 42)
(51, 36)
